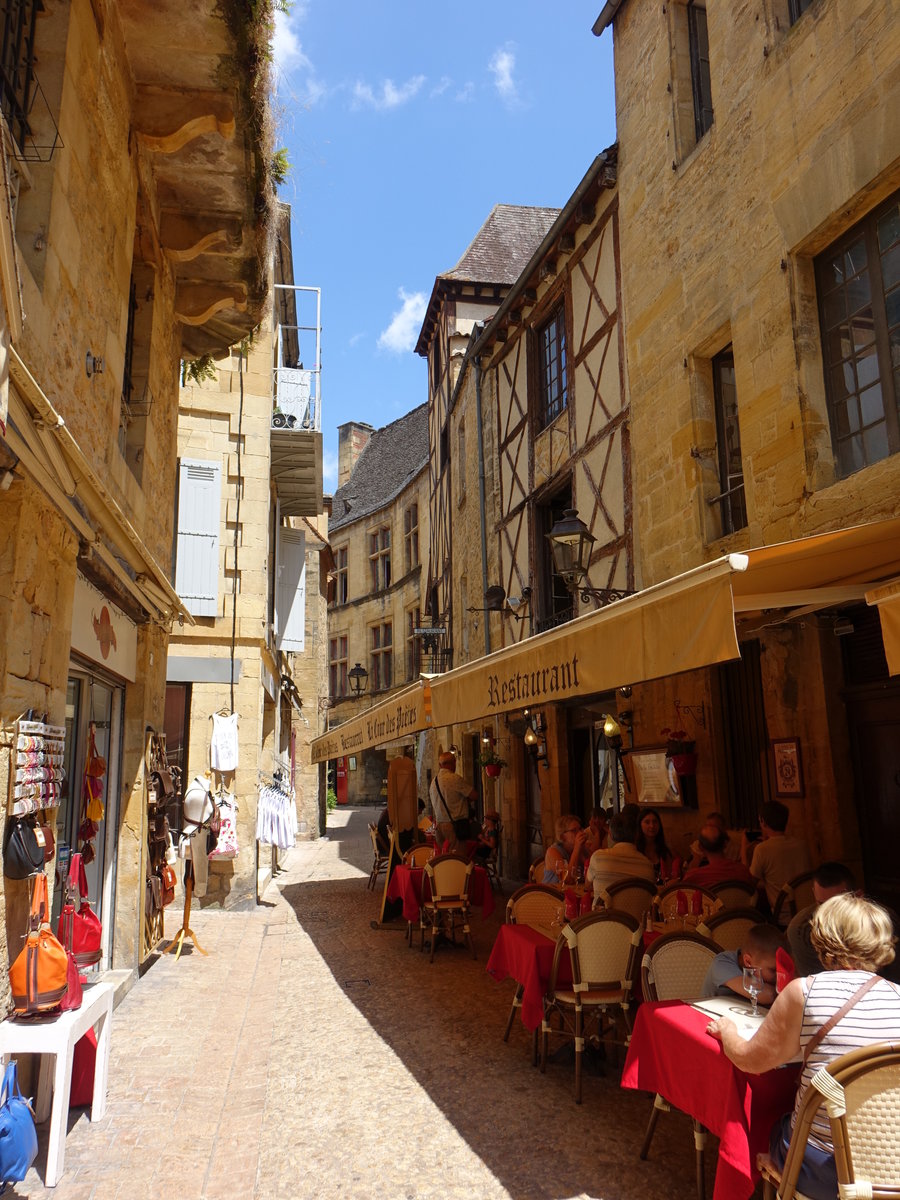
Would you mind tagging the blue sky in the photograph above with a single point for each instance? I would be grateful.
(405, 123)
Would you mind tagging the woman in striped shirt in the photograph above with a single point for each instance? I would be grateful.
(853, 937)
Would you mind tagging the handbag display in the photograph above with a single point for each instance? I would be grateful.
(38, 977)
(18, 1137)
(92, 786)
(22, 854)
(46, 840)
(167, 879)
(80, 930)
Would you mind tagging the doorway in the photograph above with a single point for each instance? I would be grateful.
(874, 720)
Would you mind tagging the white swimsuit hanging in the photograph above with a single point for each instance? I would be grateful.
(223, 746)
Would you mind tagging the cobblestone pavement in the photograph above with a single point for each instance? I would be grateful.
(310, 1055)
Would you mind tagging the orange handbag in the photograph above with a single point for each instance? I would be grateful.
(38, 976)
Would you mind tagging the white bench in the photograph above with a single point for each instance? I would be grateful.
(57, 1039)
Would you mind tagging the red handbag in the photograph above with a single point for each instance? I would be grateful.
(79, 929)
(38, 976)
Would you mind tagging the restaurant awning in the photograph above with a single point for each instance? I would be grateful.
(887, 598)
(679, 625)
(398, 717)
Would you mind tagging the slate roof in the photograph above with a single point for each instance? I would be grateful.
(390, 460)
(503, 245)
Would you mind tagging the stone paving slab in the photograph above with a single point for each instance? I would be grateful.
(310, 1055)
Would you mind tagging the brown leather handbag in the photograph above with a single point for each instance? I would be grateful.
(167, 879)
(38, 976)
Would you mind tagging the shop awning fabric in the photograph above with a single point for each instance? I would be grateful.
(679, 625)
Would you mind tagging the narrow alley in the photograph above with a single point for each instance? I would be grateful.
(310, 1055)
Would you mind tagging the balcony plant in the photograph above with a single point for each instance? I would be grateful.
(491, 761)
(680, 750)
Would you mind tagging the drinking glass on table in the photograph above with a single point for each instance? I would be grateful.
(753, 984)
(562, 872)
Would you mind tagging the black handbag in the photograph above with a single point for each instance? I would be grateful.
(22, 853)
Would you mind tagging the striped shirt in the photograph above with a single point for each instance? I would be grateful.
(874, 1018)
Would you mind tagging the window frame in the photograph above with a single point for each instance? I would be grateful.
(413, 643)
(796, 9)
(381, 656)
(731, 499)
(698, 46)
(551, 358)
(337, 666)
(380, 558)
(341, 575)
(411, 535)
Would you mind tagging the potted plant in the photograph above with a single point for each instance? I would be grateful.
(491, 761)
(680, 750)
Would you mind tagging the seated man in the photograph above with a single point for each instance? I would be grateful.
(732, 842)
(620, 860)
(713, 841)
(487, 837)
(726, 973)
(830, 879)
(778, 857)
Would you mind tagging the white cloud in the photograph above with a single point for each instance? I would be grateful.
(293, 66)
(502, 66)
(390, 96)
(356, 339)
(329, 469)
(440, 88)
(400, 335)
(465, 93)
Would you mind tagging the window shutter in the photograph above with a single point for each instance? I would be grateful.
(197, 561)
(290, 589)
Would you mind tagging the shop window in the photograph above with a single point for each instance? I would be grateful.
(197, 539)
(730, 501)
(552, 367)
(858, 287)
(341, 590)
(381, 671)
(411, 536)
(337, 667)
(380, 558)
(413, 644)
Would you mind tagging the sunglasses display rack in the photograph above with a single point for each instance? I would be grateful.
(38, 753)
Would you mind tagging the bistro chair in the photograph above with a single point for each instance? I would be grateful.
(667, 900)
(418, 855)
(728, 929)
(797, 893)
(629, 895)
(734, 893)
(674, 968)
(491, 864)
(860, 1091)
(380, 860)
(449, 876)
(536, 871)
(537, 905)
(603, 950)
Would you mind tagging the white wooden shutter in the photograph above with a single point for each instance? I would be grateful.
(290, 589)
(197, 555)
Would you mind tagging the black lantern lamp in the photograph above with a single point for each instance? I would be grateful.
(570, 543)
(359, 679)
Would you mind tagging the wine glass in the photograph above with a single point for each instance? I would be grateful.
(753, 984)
(562, 872)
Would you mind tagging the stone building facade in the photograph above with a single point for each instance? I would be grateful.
(130, 237)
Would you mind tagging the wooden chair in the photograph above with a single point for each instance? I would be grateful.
(380, 860)
(861, 1094)
(667, 899)
(729, 927)
(538, 905)
(629, 895)
(536, 871)
(797, 893)
(418, 855)
(674, 968)
(449, 876)
(603, 950)
(491, 864)
(734, 893)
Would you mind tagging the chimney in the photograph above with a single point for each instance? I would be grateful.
(353, 437)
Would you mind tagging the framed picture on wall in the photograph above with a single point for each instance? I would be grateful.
(651, 780)
(787, 766)
(352, 762)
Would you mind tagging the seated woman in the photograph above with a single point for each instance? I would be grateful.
(853, 937)
(651, 842)
(566, 852)
(487, 837)
(597, 831)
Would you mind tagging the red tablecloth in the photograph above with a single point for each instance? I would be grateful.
(526, 955)
(406, 885)
(671, 1053)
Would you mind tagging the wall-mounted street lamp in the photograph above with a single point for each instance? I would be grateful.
(359, 679)
(496, 600)
(570, 543)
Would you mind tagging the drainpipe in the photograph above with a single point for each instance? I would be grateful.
(481, 504)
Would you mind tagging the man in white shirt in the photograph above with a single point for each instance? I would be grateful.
(621, 860)
(450, 796)
(777, 858)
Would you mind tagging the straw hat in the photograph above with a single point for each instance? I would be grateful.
(198, 804)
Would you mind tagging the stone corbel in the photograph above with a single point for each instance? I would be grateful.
(186, 236)
(195, 303)
(165, 120)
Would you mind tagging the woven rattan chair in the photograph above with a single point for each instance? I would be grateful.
(797, 893)
(674, 968)
(491, 864)
(729, 928)
(603, 949)
(449, 876)
(536, 871)
(861, 1094)
(419, 855)
(667, 900)
(629, 895)
(538, 905)
(380, 860)
(734, 893)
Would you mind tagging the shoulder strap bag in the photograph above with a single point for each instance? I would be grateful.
(22, 853)
(39, 976)
(18, 1137)
(838, 1016)
(79, 930)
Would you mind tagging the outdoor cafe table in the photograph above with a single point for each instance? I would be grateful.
(672, 1054)
(525, 953)
(407, 883)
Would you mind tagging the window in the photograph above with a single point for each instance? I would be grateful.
(413, 643)
(382, 657)
(552, 366)
(341, 591)
(137, 399)
(197, 544)
(698, 41)
(380, 558)
(557, 604)
(858, 285)
(797, 8)
(18, 83)
(411, 536)
(337, 667)
(436, 362)
(732, 506)
(461, 462)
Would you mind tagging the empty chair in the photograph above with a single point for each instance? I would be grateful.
(603, 949)
(734, 893)
(418, 855)
(629, 895)
(380, 859)
(797, 893)
(449, 876)
(537, 905)
(729, 927)
(536, 871)
(667, 900)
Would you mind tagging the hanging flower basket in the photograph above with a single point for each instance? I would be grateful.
(492, 770)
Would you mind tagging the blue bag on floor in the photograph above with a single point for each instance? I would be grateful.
(18, 1138)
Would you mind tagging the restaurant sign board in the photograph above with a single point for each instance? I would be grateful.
(402, 715)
